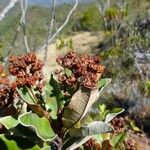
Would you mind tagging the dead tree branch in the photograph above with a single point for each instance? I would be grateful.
(102, 7)
(50, 29)
(7, 9)
(23, 23)
(17, 32)
(61, 27)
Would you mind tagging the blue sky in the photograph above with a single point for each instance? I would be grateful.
(47, 2)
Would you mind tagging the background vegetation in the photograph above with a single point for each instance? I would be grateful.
(124, 46)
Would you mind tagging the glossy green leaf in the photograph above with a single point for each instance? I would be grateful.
(9, 122)
(39, 124)
(113, 114)
(96, 127)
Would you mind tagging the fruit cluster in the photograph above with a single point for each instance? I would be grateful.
(28, 70)
(85, 68)
(130, 144)
(91, 143)
(7, 93)
(118, 124)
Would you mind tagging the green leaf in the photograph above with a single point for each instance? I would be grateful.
(39, 124)
(22, 132)
(55, 89)
(8, 122)
(7, 144)
(96, 127)
(26, 95)
(118, 139)
(51, 104)
(36, 147)
(103, 112)
(103, 83)
(102, 108)
(46, 148)
(113, 114)
(53, 97)
(68, 72)
(74, 142)
(134, 127)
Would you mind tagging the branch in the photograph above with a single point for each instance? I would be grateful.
(6, 10)
(61, 27)
(16, 34)
(102, 7)
(11, 46)
(50, 29)
(23, 22)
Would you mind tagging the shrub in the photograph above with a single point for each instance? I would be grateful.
(90, 20)
(49, 113)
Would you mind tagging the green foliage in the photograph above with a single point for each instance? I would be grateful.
(113, 113)
(117, 140)
(134, 127)
(38, 124)
(9, 122)
(8, 144)
(41, 116)
(145, 88)
(64, 43)
(106, 114)
(112, 12)
(90, 20)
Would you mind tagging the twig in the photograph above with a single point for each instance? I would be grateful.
(16, 34)
(23, 22)
(50, 29)
(102, 7)
(61, 27)
(11, 46)
(7, 9)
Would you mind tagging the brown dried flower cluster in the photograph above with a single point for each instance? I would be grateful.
(28, 70)
(118, 124)
(86, 68)
(7, 93)
(130, 144)
(91, 143)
